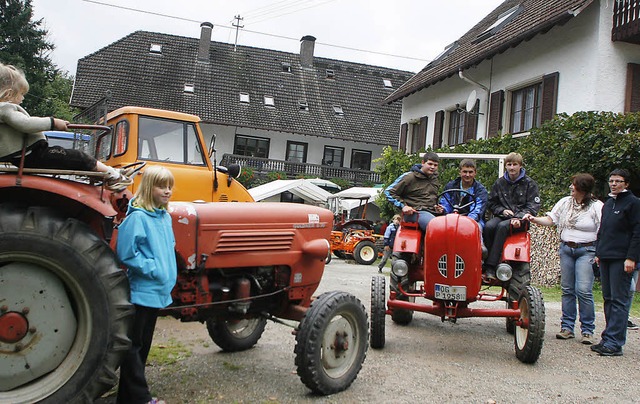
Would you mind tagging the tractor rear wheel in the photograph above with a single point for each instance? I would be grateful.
(331, 342)
(365, 253)
(378, 312)
(528, 338)
(68, 304)
(236, 335)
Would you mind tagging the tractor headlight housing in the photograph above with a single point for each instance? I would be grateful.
(504, 272)
(400, 268)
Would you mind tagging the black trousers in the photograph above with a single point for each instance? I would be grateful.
(494, 234)
(133, 388)
(44, 156)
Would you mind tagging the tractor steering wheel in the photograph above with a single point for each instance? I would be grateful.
(449, 195)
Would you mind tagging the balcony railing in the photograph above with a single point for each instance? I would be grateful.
(626, 21)
(262, 166)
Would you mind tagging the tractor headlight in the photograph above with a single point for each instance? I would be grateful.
(400, 268)
(504, 272)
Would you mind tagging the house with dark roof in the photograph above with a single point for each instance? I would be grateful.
(321, 117)
(519, 66)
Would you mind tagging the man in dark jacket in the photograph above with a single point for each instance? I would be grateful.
(617, 252)
(416, 191)
(467, 182)
(512, 196)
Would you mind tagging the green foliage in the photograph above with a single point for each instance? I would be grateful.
(587, 142)
(247, 177)
(24, 45)
(276, 175)
(341, 182)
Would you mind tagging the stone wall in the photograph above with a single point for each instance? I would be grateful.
(545, 263)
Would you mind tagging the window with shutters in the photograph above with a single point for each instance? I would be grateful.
(418, 138)
(457, 120)
(525, 112)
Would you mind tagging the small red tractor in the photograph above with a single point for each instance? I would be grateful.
(445, 266)
(64, 300)
(353, 237)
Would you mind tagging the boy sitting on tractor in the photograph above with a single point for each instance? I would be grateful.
(512, 196)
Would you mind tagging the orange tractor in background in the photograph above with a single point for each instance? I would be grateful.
(353, 236)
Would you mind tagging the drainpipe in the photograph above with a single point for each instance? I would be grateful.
(486, 89)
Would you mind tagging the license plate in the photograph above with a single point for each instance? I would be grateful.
(446, 292)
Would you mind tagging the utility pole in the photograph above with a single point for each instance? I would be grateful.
(237, 25)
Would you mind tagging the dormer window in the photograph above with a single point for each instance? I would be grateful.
(269, 101)
(337, 109)
(331, 74)
(244, 98)
(189, 88)
(387, 83)
(155, 48)
(303, 105)
(503, 19)
(286, 67)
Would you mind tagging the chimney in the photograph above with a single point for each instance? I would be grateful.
(307, 44)
(205, 41)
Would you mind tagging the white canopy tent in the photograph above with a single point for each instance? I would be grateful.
(305, 189)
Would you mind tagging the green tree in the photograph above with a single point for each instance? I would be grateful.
(24, 45)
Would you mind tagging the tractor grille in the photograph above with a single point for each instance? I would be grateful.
(459, 266)
(442, 266)
(248, 241)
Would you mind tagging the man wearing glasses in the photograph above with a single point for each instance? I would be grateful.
(617, 252)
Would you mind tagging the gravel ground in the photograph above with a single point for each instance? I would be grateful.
(471, 361)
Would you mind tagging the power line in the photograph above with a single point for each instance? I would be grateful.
(253, 32)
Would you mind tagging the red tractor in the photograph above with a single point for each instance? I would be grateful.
(64, 300)
(445, 266)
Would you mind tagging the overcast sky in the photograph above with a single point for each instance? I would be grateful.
(414, 29)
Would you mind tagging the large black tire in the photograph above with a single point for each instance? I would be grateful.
(236, 335)
(521, 278)
(331, 342)
(400, 316)
(365, 253)
(77, 306)
(328, 259)
(528, 340)
(378, 312)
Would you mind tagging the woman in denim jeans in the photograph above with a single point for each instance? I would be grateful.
(577, 218)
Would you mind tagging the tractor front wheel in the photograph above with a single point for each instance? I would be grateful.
(529, 336)
(236, 335)
(378, 311)
(365, 253)
(331, 342)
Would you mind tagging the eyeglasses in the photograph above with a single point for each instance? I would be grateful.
(616, 181)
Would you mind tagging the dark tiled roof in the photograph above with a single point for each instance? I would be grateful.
(137, 77)
(534, 17)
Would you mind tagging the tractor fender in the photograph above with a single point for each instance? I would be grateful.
(53, 191)
(517, 247)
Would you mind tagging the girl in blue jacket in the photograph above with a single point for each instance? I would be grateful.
(146, 247)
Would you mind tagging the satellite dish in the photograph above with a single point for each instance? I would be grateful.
(471, 100)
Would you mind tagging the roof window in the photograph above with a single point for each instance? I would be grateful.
(189, 88)
(269, 101)
(155, 48)
(387, 83)
(503, 19)
(331, 74)
(286, 67)
(244, 98)
(337, 109)
(303, 105)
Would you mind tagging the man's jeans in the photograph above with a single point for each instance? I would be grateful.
(576, 281)
(424, 218)
(616, 286)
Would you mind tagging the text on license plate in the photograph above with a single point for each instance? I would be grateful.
(446, 292)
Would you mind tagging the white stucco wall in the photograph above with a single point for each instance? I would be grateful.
(225, 137)
(592, 72)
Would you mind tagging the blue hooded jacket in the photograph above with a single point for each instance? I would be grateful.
(146, 245)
